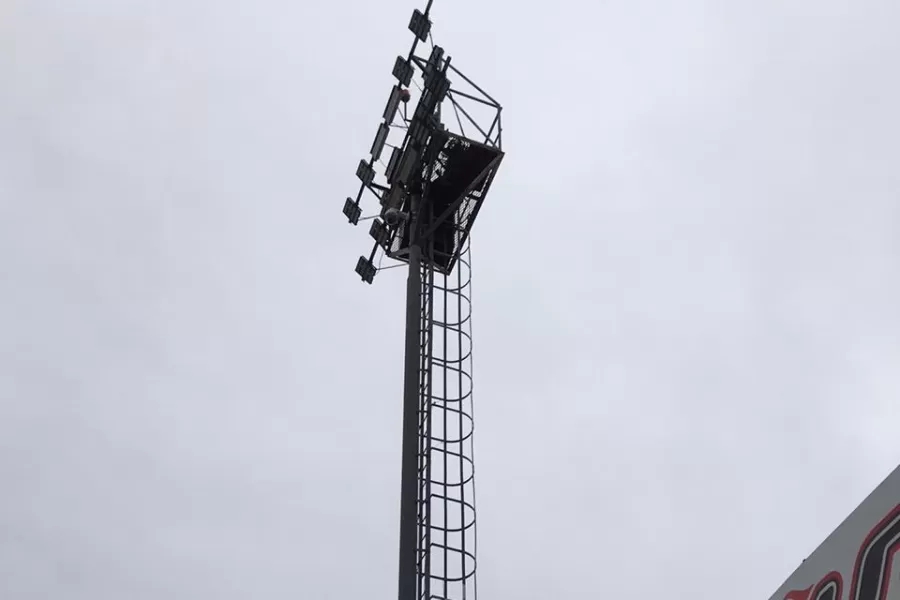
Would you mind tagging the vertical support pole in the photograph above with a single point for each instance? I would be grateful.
(409, 513)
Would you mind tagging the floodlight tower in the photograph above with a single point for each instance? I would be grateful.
(429, 193)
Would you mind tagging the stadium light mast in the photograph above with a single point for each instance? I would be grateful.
(429, 193)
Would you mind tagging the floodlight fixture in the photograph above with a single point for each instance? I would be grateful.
(390, 111)
(352, 211)
(393, 161)
(379, 232)
(365, 172)
(403, 71)
(434, 60)
(420, 25)
(380, 139)
(365, 269)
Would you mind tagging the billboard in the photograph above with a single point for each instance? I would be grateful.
(860, 559)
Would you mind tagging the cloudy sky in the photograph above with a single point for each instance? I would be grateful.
(687, 332)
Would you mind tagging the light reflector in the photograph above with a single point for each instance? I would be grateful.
(379, 232)
(392, 164)
(352, 211)
(365, 173)
(403, 71)
(407, 165)
(380, 139)
(420, 25)
(390, 111)
(434, 61)
(365, 269)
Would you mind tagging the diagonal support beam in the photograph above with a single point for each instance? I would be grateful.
(455, 204)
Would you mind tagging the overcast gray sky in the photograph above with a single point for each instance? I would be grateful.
(687, 332)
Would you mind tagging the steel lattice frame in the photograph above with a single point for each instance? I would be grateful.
(446, 495)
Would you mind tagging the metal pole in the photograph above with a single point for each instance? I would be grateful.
(409, 473)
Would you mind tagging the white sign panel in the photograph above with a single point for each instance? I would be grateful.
(860, 560)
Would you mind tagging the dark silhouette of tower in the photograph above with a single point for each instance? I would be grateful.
(429, 193)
